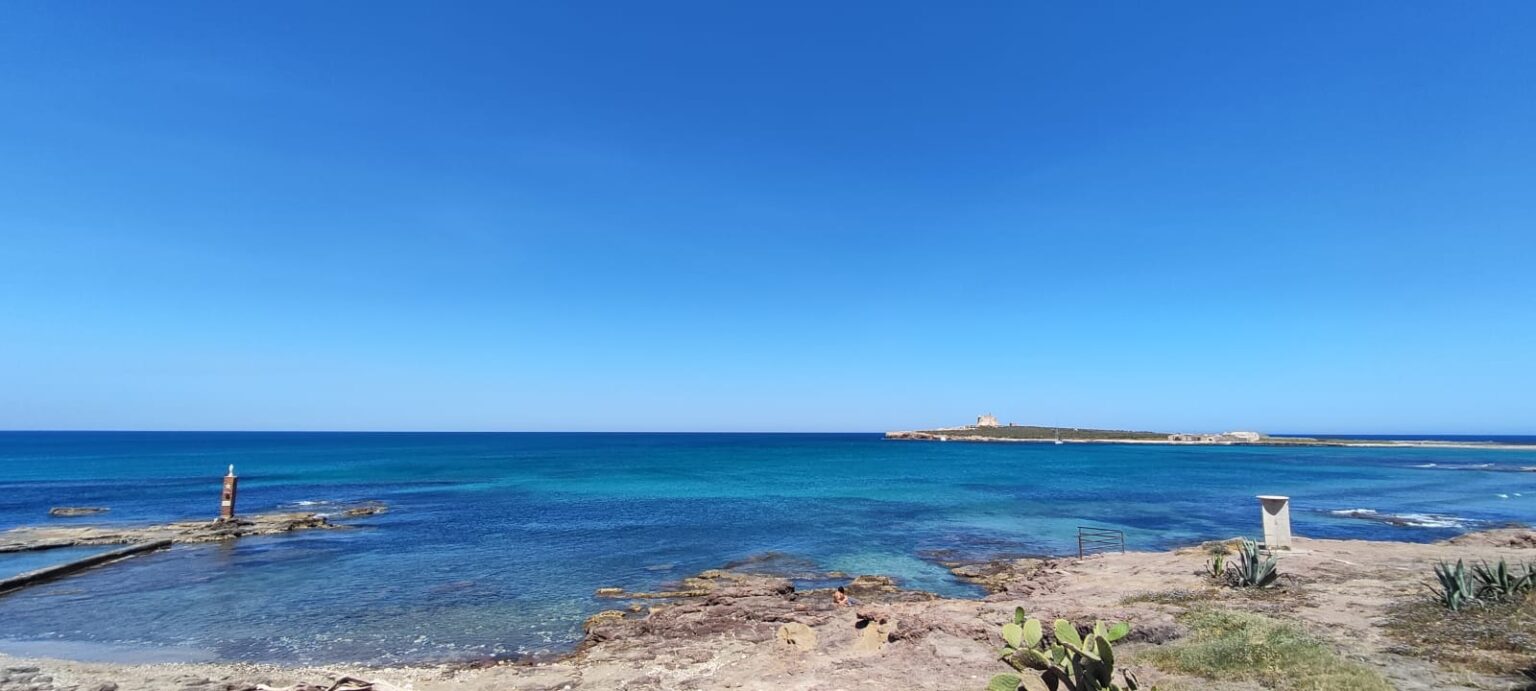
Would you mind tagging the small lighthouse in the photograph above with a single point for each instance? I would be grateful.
(227, 499)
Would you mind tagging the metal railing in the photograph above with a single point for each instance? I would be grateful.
(1099, 540)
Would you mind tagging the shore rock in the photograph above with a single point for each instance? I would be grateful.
(1007, 576)
(601, 619)
(1518, 538)
(873, 584)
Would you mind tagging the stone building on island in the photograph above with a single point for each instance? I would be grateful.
(1224, 438)
(987, 420)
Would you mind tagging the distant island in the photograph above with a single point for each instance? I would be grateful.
(988, 429)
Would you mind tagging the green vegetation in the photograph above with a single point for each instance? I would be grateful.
(1045, 433)
(1497, 583)
(1216, 566)
(1252, 569)
(1240, 646)
(1072, 661)
(1456, 588)
(1496, 637)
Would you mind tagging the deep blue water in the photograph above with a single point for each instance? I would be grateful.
(495, 542)
(1495, 438)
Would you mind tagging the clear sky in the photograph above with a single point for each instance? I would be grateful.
(768, 216)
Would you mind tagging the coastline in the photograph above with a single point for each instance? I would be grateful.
(750, 631)
(941, 436)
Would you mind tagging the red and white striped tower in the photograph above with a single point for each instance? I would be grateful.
(227, 501)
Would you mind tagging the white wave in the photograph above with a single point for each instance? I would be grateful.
(1354, 512)
(1410, 520)
(1429, 520)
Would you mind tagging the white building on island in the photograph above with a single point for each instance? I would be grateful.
(1225, 438)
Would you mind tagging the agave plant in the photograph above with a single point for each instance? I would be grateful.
(1456, 587)
(1252, 569)
(1499, 582)
(1073, 662)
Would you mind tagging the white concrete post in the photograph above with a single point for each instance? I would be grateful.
(1277, 521)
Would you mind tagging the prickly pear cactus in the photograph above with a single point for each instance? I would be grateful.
(1068, 660)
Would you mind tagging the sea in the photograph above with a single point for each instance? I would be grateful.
(493, 544)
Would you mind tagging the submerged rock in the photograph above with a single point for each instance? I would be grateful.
(72, 511)
(359, 511)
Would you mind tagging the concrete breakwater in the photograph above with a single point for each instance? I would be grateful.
(141, 540)
(50, 537)
(46, 574)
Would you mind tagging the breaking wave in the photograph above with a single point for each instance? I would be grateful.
(1407, 520)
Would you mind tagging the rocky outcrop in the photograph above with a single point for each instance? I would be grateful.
(365, 510)
(714, 582)
(1007, 576)
(49, 537)
(875, 627)
(603, 618)
(1518, 538)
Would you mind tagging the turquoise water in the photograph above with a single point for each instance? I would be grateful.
(495, 542)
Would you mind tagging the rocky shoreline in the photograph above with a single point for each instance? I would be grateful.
(732, 629)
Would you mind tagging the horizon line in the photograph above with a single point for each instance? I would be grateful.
(621, 431)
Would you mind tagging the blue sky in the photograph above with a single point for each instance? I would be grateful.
(787, 216)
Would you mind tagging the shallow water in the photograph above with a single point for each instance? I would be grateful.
(17, 563)
(494, 542)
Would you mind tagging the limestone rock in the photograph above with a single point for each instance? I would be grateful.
(604, 617)
(873, 633)
(797, 636)
(877, 584)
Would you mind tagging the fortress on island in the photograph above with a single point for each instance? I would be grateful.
(988, 428)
